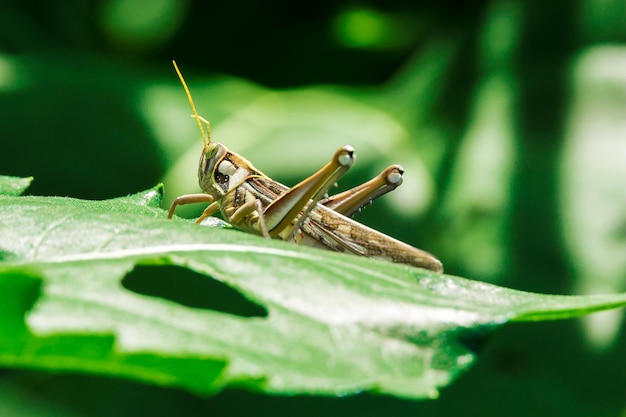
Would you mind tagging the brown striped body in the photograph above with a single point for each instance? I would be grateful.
(235, 182)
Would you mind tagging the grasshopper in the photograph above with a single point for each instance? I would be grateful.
(253, 202)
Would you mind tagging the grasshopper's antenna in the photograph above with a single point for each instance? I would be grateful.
(206, 137)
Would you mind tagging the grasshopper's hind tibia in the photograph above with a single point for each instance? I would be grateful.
(349, 202)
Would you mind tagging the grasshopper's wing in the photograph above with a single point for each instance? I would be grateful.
(325, 228)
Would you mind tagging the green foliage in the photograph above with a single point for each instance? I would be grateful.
(507, 117)
(326, 324)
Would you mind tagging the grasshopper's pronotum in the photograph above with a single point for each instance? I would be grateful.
(251, 201)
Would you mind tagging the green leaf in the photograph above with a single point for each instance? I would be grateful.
(324, 322)
(14, 185)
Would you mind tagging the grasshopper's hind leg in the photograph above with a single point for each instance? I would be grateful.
(282, 212)
(349, 202)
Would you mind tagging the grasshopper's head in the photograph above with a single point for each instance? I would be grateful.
(208, 168)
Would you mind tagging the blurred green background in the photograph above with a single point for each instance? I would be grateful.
(509, 118)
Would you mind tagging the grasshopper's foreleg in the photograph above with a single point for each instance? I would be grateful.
(209, 211)
(192, 199)
(352, 200)
(280, 214)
